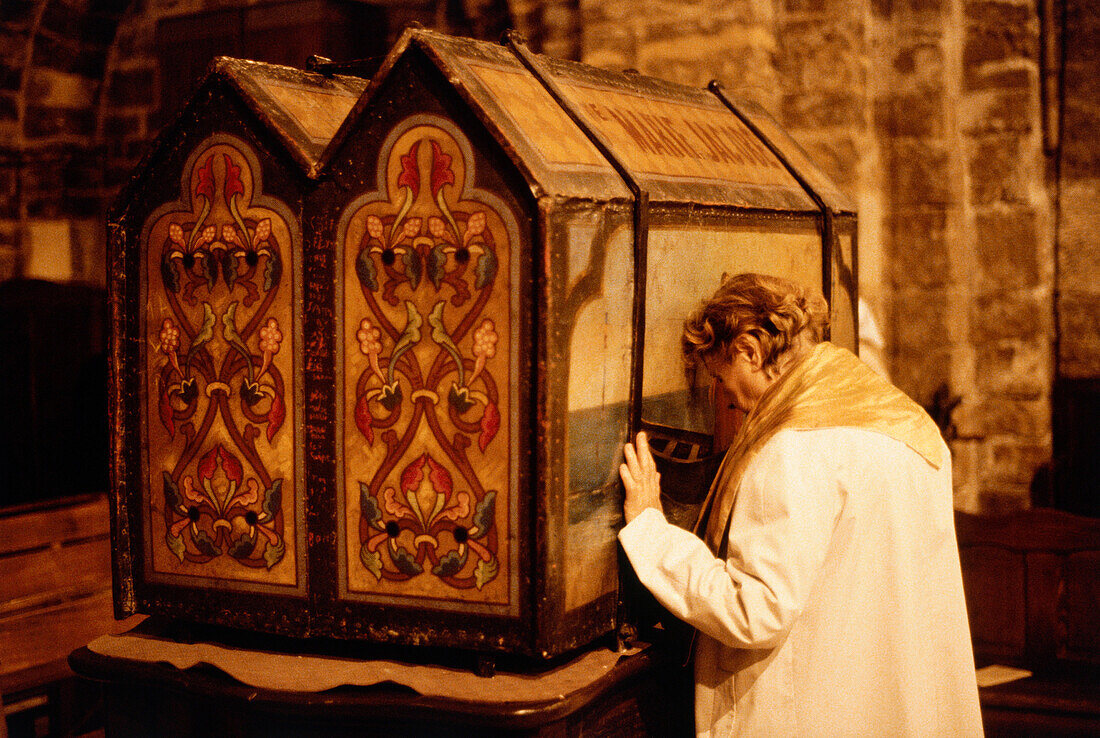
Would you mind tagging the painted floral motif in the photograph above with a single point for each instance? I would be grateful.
(218, 385)
(428, 523)
(427, 265)
(219, 515)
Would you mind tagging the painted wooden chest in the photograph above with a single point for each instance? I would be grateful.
(377, 347)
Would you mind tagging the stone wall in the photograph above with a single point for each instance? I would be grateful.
(52, 56)
(1079, 195)
(927, 112)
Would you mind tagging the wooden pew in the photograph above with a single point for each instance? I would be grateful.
(55, 596)
(1032, 582)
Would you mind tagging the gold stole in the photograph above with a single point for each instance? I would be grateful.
(828, 388)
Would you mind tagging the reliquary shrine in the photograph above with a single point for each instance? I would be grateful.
(377, 345)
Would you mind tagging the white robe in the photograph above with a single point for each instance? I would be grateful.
(839, 610)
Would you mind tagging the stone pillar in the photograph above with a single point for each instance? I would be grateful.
(1079, 233)
(1004, 421)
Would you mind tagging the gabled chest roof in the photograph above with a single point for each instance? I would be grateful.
(573, 129)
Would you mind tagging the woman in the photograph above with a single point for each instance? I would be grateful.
(824, 582)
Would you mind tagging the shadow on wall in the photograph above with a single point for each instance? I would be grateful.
(53, 388)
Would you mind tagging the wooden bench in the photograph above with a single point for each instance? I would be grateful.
(1032, 582)
(55, 596)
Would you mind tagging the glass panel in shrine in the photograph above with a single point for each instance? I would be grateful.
(598, 306)
(685, 265)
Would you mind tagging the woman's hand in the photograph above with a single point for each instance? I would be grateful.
(640, 477)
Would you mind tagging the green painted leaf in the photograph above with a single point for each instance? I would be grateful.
(486, 269)
(229, 268)
(413, 268)
(408, 338)
(436, 261)
(366, 271)
(207, 331)
(172, 498)
(483, 514)
(273, 554)
(405, 562)
(371, 560)
(485, 572)
(273, 272)
(175, 545)
(210, 270)
(169, 274)
(242, 547)
(368, 506)
(450, 564)
(273, 499)
(229, 328)
(443, 338)
(205, 545)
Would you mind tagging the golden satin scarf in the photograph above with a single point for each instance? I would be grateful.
(828, 388)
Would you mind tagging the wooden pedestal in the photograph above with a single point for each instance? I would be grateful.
(601, 694)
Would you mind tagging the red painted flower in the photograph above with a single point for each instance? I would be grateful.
(216, 457)
(233, 183)
(205, 187)
(441, 169)
(410, 174)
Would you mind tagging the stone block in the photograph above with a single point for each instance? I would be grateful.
(997, 32)
(124, 126)
(1079, 347)
(9, 109)
(822, 110)
(9, 263)
(1078, 247)
(11, 75)
(815, 56)
(996, 170)
(994, 112)
(964, 475)
(13, 43)
(19, 14)
(1010, 461)
(918, 115)
(999, 14)
(1081, 118)
(920, 374)
(1025, 419)
(919, 321)
(918, 66)
(1013, 369)
(45, 122)
(1006, 315)
(1007, 244)
(68, 55)
(918, 252)
(1082, 30)
(133, 87)
(921, 173)
(9, 192)
(1003, 499)
(805, 6)
(54, 88)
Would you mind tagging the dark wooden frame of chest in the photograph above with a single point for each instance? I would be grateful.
(312, 293)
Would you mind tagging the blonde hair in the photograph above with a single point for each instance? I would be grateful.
(774, 310)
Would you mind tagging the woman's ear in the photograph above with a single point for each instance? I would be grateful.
(749, 345)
